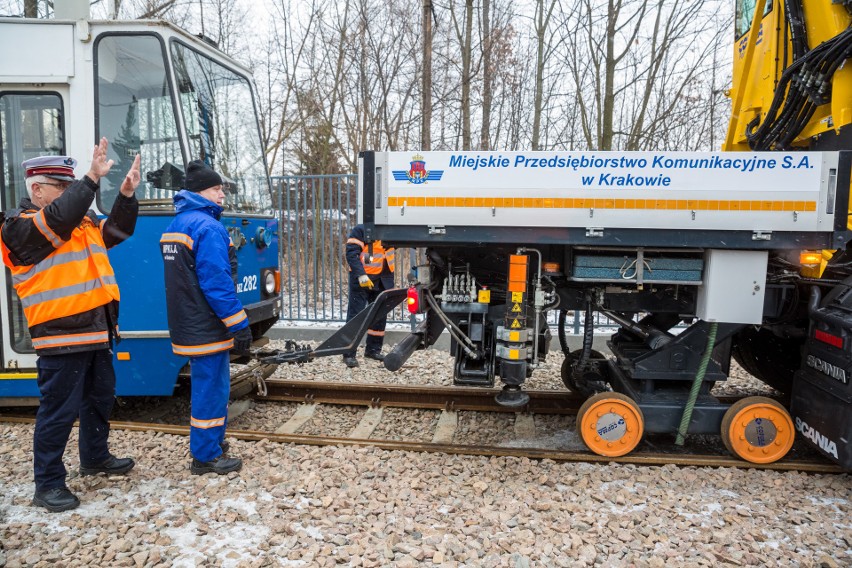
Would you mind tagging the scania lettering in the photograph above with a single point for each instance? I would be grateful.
(826, 445)
(827, 369)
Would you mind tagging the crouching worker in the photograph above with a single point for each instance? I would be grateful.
(56, 250)
(206, 320)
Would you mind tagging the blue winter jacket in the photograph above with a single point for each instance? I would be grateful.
(200, 273)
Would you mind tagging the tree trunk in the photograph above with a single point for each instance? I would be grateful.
(426, 115)
(487, 77)
(466, 72)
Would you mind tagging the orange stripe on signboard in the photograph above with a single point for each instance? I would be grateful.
(591, 203)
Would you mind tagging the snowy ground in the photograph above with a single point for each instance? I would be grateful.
(328, 506)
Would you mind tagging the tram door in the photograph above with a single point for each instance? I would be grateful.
(31, 125)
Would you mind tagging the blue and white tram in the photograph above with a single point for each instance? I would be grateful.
(154, 89)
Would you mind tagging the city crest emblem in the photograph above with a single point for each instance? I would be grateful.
(417, 173)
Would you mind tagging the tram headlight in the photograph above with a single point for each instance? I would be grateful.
(269, 283)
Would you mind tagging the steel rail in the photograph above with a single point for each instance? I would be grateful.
(431, 397)
(636, 458)
(423, 397)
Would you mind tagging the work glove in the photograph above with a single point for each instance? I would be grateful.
(242, 341)
(365, 282)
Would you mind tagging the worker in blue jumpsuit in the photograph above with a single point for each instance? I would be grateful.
(206, 319)
(369, 275)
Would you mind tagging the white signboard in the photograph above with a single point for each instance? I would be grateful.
(720, 190)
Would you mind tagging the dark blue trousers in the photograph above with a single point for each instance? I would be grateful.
(210, 377)
(360, 298)
(74, 385)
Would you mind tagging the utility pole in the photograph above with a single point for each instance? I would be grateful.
(31, 8)
(426, 114)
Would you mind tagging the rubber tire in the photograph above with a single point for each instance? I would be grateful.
(769, 358)
(739, 406)
(568, 380)
(617, 396)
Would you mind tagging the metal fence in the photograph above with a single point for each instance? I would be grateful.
(317, 213)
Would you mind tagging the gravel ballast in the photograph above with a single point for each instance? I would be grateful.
(328, 506)
(357, 506)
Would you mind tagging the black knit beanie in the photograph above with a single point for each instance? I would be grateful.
(200, 177)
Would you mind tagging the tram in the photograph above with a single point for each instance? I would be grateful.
(152, 89)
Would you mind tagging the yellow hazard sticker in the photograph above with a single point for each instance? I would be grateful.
(516, 324)
(514, 354)
(516, 308)
(514, 336)
(484, 296)
(517, 296)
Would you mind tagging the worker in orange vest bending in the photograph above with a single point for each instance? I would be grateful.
(368, 276)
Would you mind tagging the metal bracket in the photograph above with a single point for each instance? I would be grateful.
(594, 232)
(761, 236)
(437, 230)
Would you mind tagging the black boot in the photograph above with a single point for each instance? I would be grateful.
(350, 361)
(56, 499)
(112, 466)
(375, 355)
(220, 465)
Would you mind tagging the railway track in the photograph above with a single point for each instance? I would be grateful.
(449, 401)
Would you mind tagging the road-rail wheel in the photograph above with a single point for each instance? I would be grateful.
(758, 430)
(591, 383)
(610, 424)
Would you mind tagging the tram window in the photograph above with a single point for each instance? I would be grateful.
(30, 126)
(222, 127)
(745, 14)
(137, 115)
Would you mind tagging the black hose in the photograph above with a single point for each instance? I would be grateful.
(588, 337)
(563, 341)
(802, 87)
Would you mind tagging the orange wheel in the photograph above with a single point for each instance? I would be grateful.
(758, 430)
(610, 424)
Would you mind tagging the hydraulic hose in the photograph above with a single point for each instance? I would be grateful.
(588, 337)
(453, 329)
(696, 385)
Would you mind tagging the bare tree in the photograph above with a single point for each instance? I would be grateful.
(544, 48)
(464, 35)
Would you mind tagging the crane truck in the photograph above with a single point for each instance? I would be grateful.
(698, 258)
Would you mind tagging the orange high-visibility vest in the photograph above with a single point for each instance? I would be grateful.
(373, 264)
(75, 278)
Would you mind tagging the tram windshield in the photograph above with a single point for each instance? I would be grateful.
(221, 124)
(138, 114)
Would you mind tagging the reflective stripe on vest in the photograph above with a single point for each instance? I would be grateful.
(373, 265)
(235, 319)
(206, 349)
(71, 339)
(75, 278)
(181, 238)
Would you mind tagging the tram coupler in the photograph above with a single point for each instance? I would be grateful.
(292, 353)
(347, 338)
